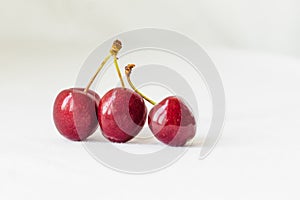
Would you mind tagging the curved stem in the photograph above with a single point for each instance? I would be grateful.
(118, 70)
(128, 69)
(115, 48)
(97, 72)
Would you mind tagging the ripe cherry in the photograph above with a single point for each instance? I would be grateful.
(121, 112)
(171, 121)
(75, 113)
(75, 109)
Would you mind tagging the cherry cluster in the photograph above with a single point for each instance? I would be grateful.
(121, 112)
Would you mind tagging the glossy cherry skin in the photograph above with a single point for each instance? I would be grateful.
(172, 122)
(75, 113)
(122, 114)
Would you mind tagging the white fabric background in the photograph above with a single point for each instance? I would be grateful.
(255, 47)
(268, 25)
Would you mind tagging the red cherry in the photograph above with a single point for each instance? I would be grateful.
(172, 122)
(75, 109)
(75, 113)
(121, 114)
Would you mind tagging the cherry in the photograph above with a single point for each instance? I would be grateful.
(122, 114)
(75, 113)
(171, 121)
(75, 109)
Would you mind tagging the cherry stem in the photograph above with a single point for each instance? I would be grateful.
(118, 70)
(117, 45)
(97, 72)
(128, 70)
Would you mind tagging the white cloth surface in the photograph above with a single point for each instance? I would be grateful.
(257, 156)
(254, 24)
